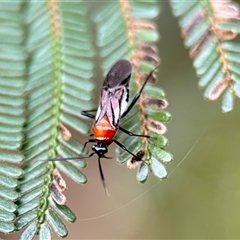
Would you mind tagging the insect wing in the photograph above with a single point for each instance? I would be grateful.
(112, 104)
(119, 74)
(115, 93)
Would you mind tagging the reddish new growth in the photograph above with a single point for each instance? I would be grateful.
(54, 17)
(57, 187)
(66, 134)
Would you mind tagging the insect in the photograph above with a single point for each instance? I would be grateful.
(113, 106)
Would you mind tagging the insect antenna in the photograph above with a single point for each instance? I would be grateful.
(102, 176)
(71, 158)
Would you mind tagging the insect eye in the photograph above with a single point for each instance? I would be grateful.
(105, 150)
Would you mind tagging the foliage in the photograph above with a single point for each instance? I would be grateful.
(138, 45)
(208, 28)
(12, 80)
(46, 79)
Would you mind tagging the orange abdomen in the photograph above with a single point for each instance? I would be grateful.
(103, 130)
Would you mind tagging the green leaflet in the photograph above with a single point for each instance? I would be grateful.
(6, 227)
(45, 232)
(181, 8)
(194, 36)
(228, 102)
(71, 171)
(158, 168)
(36, 193)
(8, 205)
(29, 232)
(65, 211)
(56, 223)
(23, 220)
(10, 171)
(138, 9)
(26, 207)
(9, 194)
(142, 173)
(209, 49)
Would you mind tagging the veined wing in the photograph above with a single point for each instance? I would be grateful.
(112, 104)
(115, 94)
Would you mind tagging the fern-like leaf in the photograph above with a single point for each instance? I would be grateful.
(12, 80)
(130, 33)
(59, 68)
(208, 28)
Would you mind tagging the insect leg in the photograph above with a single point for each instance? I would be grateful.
(102, 176)
(71, 158)
(124, 148)
(88, 141)
(132, 134)
(138, 95)
(87, 114)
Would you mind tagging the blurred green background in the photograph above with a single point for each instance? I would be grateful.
(200, 199)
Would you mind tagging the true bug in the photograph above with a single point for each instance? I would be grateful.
(113, 105)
